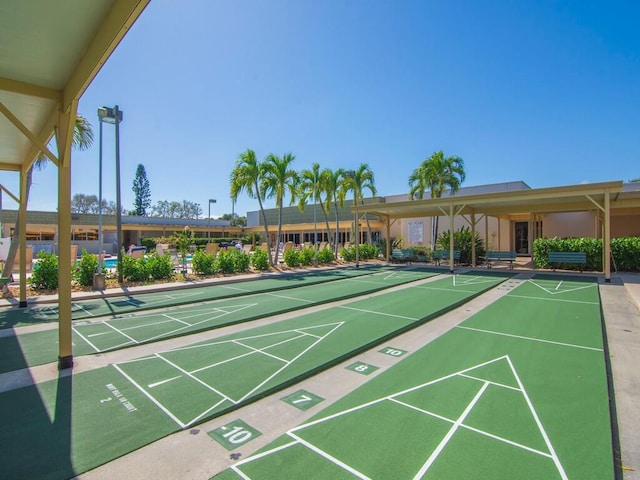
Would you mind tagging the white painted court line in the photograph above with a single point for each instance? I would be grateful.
(556, 290)
(290, 362)
(378, 313)
(501, 385)
(258, 350)
(196, 379)
(329, 457)
(530, 338)
(208, 319)
(108, 324)
(443, 443)
(453, 290)
(507, 441)
(547, 442)
(543, 299)
(264, 454)
(150, 397)
(176, 319)
(236, 288)
(290, 298)
(162, 382)
(80, 307)
(85, 339)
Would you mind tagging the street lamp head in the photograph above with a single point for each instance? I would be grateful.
(212, 200)
(109, 115)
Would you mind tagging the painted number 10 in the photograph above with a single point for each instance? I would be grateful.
(394, 352)
(237, 435)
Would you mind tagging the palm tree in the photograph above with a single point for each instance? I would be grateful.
(310, 186)
(82, 140)
(361, 180)
(277, 178)
(247, 176)
(332, 182)
(436, 173)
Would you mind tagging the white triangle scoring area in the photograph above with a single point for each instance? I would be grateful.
(474, 373)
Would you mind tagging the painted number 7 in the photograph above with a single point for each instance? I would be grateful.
(303, 398)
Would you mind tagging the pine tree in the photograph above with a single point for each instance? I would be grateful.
(142, 192)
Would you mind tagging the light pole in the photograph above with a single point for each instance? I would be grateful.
(352, 175)
(114, 116)
(315, 225)
(211, 200)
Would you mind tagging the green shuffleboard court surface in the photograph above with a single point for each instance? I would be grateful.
(117, 305)
(517, 391)
(105, 334)
(91, 418)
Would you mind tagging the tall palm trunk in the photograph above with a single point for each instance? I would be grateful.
(279, 233)
(326, 221)
(335, 244)
(266, 226)
(13, 248)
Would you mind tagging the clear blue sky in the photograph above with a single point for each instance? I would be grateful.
(541, 91)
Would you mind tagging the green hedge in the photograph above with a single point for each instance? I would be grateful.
(625, 252)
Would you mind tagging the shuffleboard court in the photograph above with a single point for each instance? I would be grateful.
(110, 333)
(479, 402)
(119, 408)
(117, 305)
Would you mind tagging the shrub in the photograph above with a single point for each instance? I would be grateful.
(86, 269)
(625, 252)
(462, 240)
(45, 272)
(159, 267)
(134, 269)
(203, 263)
(306, 256)
(325, 256)
(241, 260)
(367, 252)
(260, 259)
(348, 254)
(292, 258)
(225, 262)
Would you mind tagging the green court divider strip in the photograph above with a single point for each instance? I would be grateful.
(62, 428)
(119, 304)
(37, 348)
(502, 405)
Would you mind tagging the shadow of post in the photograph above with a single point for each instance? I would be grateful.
(36, 435)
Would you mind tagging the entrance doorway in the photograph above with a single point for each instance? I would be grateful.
(521, 237)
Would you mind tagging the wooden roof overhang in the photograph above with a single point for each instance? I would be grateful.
(604, 197)
(50, 51)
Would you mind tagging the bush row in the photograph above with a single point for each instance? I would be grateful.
(625, 252)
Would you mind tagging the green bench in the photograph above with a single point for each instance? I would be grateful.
(497, 256)
(401, 255)
(568, 258)
(439, 255)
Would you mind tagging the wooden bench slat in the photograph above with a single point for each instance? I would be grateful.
(500, 256)
(577, 258)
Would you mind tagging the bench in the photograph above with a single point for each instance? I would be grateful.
(496, 256)
(444, 255)
(400, 255)
(575, 258)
